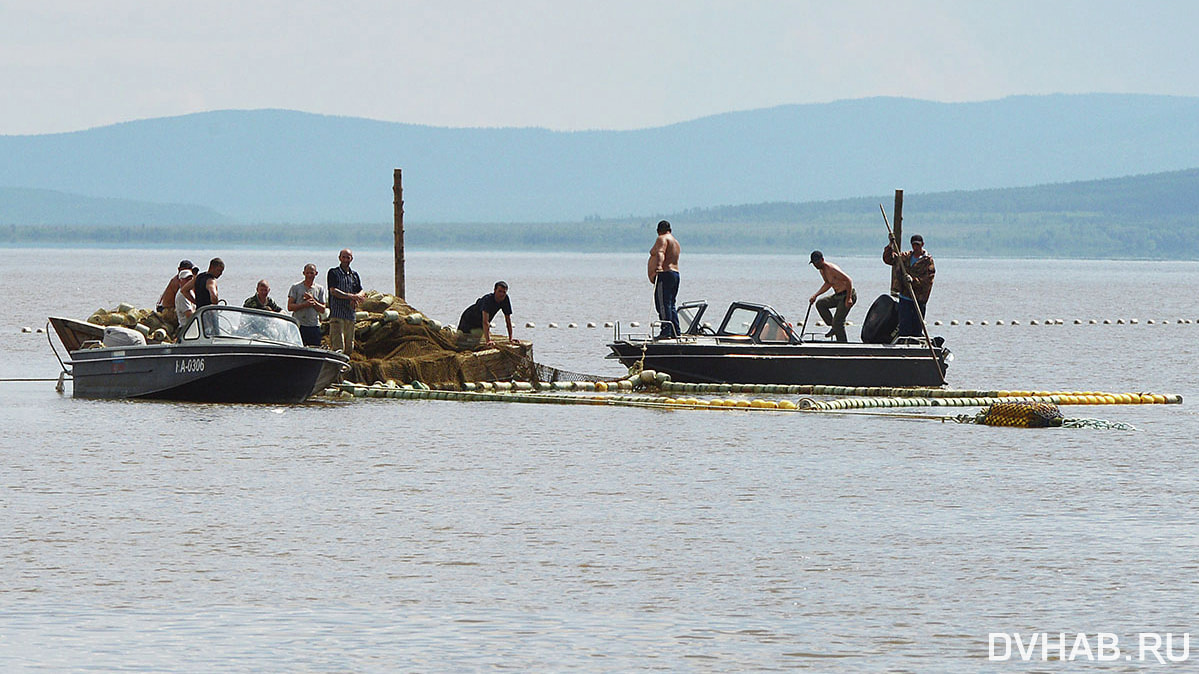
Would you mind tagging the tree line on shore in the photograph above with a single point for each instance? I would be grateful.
(1141, 217)
(1049, 236)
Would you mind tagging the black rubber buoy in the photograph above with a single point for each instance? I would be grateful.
(882, 321)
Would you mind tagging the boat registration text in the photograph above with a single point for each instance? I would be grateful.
(189, 365)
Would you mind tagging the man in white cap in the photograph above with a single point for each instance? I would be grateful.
(166, 301)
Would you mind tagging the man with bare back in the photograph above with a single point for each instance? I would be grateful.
(664, 274)
(842, 298)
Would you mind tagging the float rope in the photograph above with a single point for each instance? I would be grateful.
(1032, 413)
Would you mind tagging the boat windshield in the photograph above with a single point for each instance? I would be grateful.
(250, 325)
(688, 315)
(739, 321)
(773, 330)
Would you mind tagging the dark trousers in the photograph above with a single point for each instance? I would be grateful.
(836, 322)
(909, 321)
(311, 334)
(666, 290)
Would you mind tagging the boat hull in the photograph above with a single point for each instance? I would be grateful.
(833, 364)
(236, 373)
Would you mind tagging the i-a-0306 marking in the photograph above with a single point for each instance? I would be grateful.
(189, 365)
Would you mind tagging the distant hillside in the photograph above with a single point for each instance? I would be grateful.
(1145, 216)
(20, 206)
(274, 166)
(1150, 216)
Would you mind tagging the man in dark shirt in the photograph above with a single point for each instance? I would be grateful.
(345, 296)
(475, 322)
(201, 289)
(262, 298)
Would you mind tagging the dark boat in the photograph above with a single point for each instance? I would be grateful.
(755, 345)
(224, 354)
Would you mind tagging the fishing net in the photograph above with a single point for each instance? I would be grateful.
(545, 373)
(1035, 415)
(1102, 424)
(1021, 415)
(394, 341)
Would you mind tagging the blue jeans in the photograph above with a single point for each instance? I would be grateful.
(666, 289)
(909, 321)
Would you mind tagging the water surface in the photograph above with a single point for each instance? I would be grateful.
(385, 535)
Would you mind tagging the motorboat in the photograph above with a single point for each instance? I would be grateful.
(224, 354)
(754, 344)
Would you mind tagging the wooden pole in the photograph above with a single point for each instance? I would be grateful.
(398, 189)
(897, 273)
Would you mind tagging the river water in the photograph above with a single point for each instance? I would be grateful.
(385, 535)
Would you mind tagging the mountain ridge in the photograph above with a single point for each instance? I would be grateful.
(275, 165)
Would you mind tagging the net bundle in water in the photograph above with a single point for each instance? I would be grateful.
(1022, 415)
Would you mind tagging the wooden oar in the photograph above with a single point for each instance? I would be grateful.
(908, 285)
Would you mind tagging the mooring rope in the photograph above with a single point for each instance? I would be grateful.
(23, 379)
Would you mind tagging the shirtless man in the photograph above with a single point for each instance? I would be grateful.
(166, 302)
(663, 271)
(842, 298)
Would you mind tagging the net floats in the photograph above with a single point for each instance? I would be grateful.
(957, 322)
(654, 389)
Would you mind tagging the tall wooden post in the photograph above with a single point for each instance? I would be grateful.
(398, 189)
(897, 219)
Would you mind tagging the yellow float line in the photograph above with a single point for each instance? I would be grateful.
(1066, 398)
(357, 391)
(1059, 399)
(525, 394)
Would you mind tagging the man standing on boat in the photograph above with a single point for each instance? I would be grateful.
(841, 300)
(920, 270)
(184, 307)
(201, 289)
(664, 274)
(345, 296)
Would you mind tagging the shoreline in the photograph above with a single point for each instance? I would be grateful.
(485, 250)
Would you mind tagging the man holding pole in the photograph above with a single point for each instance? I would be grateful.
(918, 265)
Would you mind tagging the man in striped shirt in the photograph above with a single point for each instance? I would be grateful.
(345, 296)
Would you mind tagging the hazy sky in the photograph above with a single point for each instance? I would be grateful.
(610, 64)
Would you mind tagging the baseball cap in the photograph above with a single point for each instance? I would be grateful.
(817, 256)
